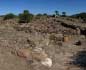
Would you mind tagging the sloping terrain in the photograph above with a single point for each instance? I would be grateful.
(47, 33)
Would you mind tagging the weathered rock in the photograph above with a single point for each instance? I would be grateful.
(66, 39)
(37, 54)
(47, 62)
(78, 31)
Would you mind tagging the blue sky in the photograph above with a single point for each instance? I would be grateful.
(42, 6)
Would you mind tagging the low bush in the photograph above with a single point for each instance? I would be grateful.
(9, 16)
(25, 17)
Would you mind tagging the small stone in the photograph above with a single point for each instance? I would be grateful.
(78, 43)
(47, 62)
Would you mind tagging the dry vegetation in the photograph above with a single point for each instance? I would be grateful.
(61, 43)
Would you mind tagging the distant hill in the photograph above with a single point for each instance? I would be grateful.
(80, 15)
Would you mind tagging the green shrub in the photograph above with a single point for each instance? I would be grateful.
(25, 17)
(9, 16)
(39, 15)
(45, 14)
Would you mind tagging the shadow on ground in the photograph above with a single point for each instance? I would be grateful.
(80, 60)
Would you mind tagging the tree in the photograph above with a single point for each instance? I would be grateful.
(26, 12)
(25, 17)
(9, 16)
(57, 13)
(63, 14)
(45, 14)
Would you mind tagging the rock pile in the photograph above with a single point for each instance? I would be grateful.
(36, 54)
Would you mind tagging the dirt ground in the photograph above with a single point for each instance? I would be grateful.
(47, 34)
